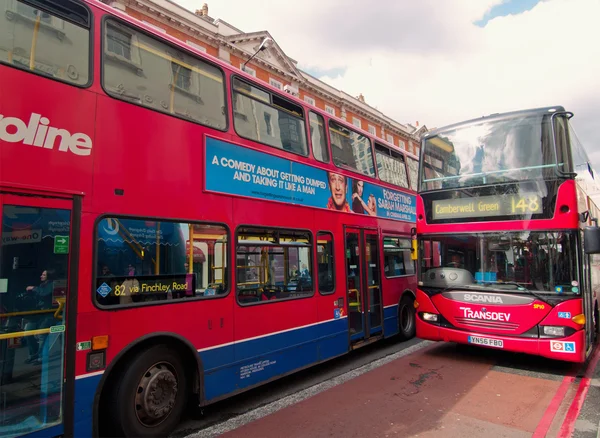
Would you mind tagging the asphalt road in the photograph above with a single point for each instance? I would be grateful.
(209, 420)
(415, 388)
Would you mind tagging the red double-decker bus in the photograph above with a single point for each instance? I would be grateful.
(175, 232)
(502, 212)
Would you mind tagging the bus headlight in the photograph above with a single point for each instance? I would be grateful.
(551, 330)
(431, 317)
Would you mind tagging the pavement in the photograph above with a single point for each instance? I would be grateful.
(438, 389)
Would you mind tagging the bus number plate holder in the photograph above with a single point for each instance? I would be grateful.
(497, 343)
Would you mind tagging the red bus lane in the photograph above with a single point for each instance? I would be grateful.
(457, 391)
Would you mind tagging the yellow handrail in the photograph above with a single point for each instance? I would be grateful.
(357, 302)
(36, 30)
(61, 305)
(14, 335)
(24, 333)
(29, 312)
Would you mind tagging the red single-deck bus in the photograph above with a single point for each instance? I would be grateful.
(174, 231)
(501, 218)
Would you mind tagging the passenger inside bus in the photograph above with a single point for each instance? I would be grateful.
(41, 300)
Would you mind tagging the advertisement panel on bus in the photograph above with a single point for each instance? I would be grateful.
(237, 170)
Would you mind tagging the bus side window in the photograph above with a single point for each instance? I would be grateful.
(325, 262)
(65, 57)
(282, 259)
(173, 81)
(143, 261)
(351, 149)
(267, 118)
(397, 257)
(318, 137)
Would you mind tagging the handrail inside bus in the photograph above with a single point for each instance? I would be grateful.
(15, 335)
(61, 305)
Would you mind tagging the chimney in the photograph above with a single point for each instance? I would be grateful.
(202, 12)
(361, 98)
(417, 123)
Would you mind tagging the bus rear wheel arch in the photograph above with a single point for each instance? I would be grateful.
(147, 391)
(406, 317)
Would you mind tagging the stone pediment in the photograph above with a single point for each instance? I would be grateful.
(273, 55)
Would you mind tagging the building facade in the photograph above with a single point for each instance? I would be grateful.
(271, 65)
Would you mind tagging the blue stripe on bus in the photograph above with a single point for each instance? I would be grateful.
(390, 321)
(267, 357)
(85, 391)
(257, 360)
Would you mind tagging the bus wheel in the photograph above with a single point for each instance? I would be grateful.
(150, 396)
(406, 318)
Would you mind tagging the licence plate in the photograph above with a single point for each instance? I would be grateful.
(498, 343)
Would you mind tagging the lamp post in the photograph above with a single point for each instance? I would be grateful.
(263, 46)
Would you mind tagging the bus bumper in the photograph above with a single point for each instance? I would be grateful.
(569, 349)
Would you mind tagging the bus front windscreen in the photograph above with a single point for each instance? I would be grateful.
(494, 151)
(540, 262)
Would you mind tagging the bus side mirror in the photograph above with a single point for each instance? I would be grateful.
(591, 240)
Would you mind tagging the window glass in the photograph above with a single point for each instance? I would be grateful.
(351, 149)
(397, 257)
(325, 263)
(39, 41)
(34, 290)
(572, 156)
(273, 265)
(413, 171)
(390, 166)
(142, 70)
(142, 261)
(268, 118)
(430, 254)
(539, 261)
(318, 136)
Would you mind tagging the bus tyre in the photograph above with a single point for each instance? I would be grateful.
(406, 318)
(150, 396)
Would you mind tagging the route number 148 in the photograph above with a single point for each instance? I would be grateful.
(525, 205)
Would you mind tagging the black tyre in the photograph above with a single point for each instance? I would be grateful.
(406, 318)
(150, 395)
(596, 323)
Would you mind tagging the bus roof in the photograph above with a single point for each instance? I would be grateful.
(496, 116)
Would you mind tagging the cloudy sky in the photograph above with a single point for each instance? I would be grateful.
(441, 61)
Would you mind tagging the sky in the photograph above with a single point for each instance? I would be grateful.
(441, 61)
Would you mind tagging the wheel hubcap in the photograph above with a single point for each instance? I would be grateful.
(156, 394)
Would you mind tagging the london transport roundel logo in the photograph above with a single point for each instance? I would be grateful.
(557, 345)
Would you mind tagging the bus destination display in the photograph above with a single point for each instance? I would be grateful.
(485, 206)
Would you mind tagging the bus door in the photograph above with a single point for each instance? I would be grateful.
(587, 289)
(35, 251)
(363, 285)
